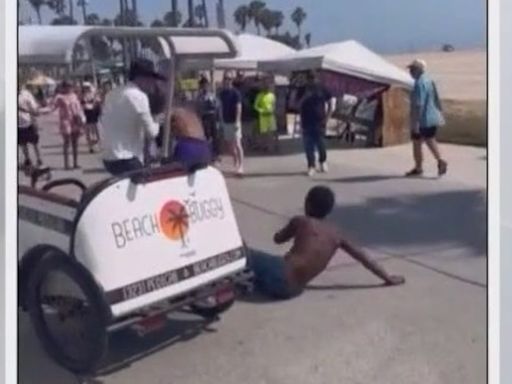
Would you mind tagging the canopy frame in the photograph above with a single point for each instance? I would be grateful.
(33, 49)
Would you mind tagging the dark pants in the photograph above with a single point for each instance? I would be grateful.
(119, 167)
(212, 133)
(270, 277)
(313, 140)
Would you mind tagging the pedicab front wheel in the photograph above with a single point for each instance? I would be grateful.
(68, 314)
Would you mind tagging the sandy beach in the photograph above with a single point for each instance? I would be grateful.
(461, 78)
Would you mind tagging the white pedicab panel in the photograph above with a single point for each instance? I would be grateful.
(43, 222)
(147, 242)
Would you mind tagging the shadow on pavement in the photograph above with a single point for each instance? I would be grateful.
(455, 217)
(377, 178)
(293, 146)
(265, 174)
(126, 347)
(343, 287)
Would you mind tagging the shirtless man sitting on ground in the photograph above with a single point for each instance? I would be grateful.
(315, 243)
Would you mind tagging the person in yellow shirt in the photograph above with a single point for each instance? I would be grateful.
(265, 106)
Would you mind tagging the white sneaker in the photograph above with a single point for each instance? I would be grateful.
(311, 172)
(240, 171)
(324, 168)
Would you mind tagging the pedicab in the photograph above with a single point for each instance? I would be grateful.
(131, 249)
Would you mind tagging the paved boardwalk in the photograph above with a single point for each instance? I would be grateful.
(344, 329)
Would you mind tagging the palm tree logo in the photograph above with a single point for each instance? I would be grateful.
(174, 221)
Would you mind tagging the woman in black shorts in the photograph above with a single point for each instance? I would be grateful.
(91, 105)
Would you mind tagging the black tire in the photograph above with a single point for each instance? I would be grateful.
(90, 341)
(211, 312)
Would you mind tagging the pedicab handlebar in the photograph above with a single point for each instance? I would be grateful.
(168, 168)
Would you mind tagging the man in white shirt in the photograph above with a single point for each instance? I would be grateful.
(28, 109)
(127, 120)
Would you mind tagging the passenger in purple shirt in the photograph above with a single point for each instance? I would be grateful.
(192, 149)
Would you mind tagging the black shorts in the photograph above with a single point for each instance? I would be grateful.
(424, 133)
(119, 167)
(92, 116)
(28, 136)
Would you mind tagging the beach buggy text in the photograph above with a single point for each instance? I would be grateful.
(172, 220)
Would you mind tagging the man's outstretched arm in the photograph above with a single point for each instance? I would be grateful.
(359, 255)
(287, 233)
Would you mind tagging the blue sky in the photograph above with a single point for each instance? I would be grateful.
(383, 25)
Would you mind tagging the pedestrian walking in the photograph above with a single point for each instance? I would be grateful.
(315, 108)
(426, 118)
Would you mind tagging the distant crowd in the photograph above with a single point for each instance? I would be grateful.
(125, 122)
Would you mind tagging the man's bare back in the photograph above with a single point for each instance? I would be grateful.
(315, 242)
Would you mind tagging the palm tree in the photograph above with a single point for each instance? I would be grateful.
(221, 16)
(93, 19)
(277, 20)
(63, 20)
(83, 4)
(191, 18)
(199, 13)
(135, 9)
(307, 39)
(170, 18)
(57, 6)
(298, 17)
(206, 18)
(175, 12)
(71, 10)
(241, 16)
(157, 23)
(266, 20)
(255, 9)
(37, 5)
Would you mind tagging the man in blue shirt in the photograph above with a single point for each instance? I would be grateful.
(315, 111)
(231, 121)
(426, 118)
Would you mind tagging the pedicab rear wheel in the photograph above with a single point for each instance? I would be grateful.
(68, 313)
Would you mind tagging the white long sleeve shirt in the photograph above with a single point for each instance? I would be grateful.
(126, 121)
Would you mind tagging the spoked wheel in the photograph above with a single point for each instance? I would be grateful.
(216, 304)
(68, 314)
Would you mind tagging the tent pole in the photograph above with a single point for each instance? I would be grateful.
(91, 60)
(170, 99)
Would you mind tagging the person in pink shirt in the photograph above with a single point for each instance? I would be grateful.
(71, 121)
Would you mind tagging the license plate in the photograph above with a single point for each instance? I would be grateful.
(224, 295)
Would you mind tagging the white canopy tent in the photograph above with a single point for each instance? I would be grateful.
(252, 50)
(349, 57)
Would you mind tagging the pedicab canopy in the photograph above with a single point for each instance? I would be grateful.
(54, 44)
